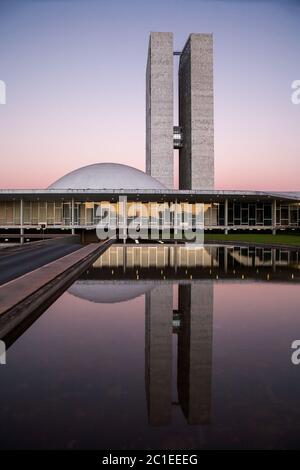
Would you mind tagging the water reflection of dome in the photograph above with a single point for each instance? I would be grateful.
(107, 176)
(108, 292)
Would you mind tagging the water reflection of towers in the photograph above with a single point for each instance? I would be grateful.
(193, 323)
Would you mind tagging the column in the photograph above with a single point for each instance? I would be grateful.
(122, 224)
(21, 221)
(274, 259)
(225, 259)
(274, 217)
(175, 220)
(72, 216)
(226, 216)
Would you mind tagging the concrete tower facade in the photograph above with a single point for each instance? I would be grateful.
(196, 113)
(195, 134)
(159, 109)
(158, 354)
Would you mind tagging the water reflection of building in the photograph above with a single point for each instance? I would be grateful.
(123, 273)
(158, 353)
(194, 364)
(193, 324)
(180, 262)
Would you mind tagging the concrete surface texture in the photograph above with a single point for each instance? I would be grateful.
(15, 291)
(196, 113)
(159, 109)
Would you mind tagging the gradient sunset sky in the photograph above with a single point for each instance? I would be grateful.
(75, 77)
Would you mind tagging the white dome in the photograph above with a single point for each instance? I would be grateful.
(108, 293)
(107, 176)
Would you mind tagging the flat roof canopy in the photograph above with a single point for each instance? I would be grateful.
(144, 195)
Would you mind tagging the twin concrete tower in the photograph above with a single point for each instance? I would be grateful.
(194, 136)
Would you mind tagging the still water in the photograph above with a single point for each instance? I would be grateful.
(161, 347)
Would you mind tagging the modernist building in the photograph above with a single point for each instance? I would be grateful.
(72, 202)
(194, 134)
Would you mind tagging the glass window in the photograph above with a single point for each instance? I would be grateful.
(50, 213)
(237, 211)
(42, 212)
(259, 216)
(2, 213)
(9, 213)
(284, 215)
(278, 216)
(294, 215)
(26, 212)
(58, 213)
(34, 213)
(66, 213)
(252, 211)
(245, 216)
(267, 211)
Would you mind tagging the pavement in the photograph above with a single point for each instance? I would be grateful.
(17, 262)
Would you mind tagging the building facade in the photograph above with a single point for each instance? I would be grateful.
(26, 211)
(194, 134)
(89, 197)
(196, 113)
(159, 109)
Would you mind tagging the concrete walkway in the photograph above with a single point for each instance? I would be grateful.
(15, 264)
(21, 297)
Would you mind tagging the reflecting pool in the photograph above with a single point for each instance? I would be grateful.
(161, 347)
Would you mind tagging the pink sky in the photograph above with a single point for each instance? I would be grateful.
(75, 81)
